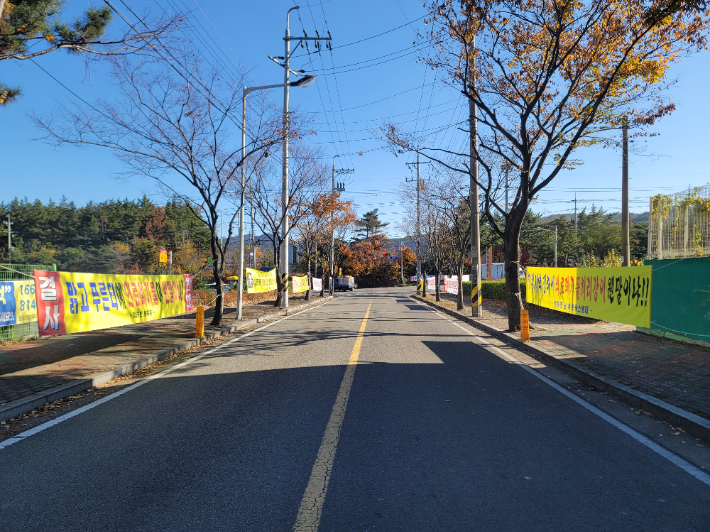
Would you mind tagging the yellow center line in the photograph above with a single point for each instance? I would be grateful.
(311, 507)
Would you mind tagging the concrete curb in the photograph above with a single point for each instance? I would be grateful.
(29, 403)
(691, 423)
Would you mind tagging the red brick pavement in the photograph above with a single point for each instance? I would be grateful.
(30, 367)
(671, 371)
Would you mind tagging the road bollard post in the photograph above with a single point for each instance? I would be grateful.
(200, 322)
(524, 326)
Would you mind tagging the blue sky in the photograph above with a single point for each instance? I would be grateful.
(360, 84)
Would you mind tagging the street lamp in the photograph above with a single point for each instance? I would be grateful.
(303, 82)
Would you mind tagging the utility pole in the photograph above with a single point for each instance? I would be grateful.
(625, 240)
(575, 212)
(419, 215)
(476, 301)
(340, 187)
(419, 227)
(401, 262)
(8, 223)
(286, 123)
(555, 246)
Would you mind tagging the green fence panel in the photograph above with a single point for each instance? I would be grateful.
(680, 298)
(19, 272)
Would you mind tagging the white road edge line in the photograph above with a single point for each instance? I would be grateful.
(57, 421)
(665, 453)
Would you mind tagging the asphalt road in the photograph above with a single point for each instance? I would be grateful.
(322, 421)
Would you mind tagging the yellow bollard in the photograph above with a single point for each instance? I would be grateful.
(200, 322)
(524, 326)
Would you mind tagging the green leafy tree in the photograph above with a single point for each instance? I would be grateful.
(599, 232)
(638, 236)
(100, 237)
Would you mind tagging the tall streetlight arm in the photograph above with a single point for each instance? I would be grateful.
(303, 82)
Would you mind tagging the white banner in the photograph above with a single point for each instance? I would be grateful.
(430, 282)
(451, 285)
(317, 284)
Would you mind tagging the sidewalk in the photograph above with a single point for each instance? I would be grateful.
(36, 366)
(676, 373)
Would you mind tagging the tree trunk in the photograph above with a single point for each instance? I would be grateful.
(437, 288)
(279, 279)
(459, 294)
(217, 275)
(424, 285)
(280, 287)
(511, 257)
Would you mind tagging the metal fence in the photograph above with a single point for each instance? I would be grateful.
(19, 272)
(679, 225)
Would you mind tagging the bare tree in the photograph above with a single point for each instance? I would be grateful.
(308, 179)
(547, 79)
(175, 124)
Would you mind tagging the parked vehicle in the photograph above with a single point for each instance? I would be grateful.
(344, 282)
(213, 286)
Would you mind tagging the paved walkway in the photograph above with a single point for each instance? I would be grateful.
(31, 367)
(671, 371)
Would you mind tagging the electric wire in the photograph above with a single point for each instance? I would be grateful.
(320, 95)
(373, 36)
(335, 80)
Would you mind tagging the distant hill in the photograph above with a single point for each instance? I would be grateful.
(635, 217)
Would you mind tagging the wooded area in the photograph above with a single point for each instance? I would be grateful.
(114, 236)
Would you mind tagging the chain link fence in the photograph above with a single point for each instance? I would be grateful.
(679, 225)
(20, 272)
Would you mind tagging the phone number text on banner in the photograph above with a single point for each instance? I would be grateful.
(259, 282)
(621, 295)
(76, 302)
(17, 302)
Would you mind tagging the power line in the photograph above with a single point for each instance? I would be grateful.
(373, 36)
(332, 71)
(385, 98)
(320, 95)
(210, 100)
(402, 114)
(335, 80)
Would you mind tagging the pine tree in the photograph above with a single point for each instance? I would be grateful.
(369, 225)
(31, 28)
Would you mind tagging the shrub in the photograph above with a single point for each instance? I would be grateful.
(494, 290)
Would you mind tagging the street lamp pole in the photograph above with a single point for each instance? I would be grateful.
(303, 82)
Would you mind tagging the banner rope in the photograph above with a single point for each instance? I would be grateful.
(680, 332)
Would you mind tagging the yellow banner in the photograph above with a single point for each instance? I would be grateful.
(622, 295)
(299, 284)
(76, 302)
(258, 281)
(17, 302)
